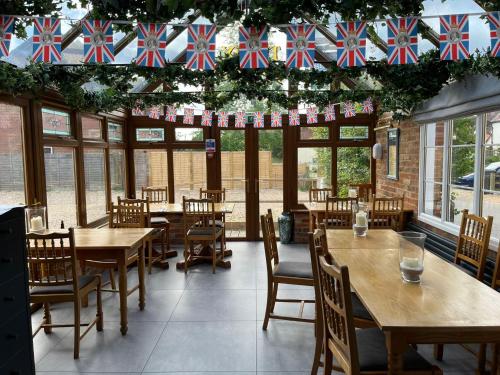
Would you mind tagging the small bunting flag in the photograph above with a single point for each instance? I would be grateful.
(368, 106)
(276, 119)
(454, 37)
(97, 41)
(293, 117)
(312, 115)
(349, 109)
(494, 21)
(258, 119)
(6, 29)
(171, 115)
(330, 113)
(137, 110)
(351, 44)
(47, 40)
(223, 119)
(188, 116)
(240, 120)
(154, 112)
(206, 117)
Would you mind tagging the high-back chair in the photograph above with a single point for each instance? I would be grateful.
(53, 278)
(386, 213)
(319, 195)
(356, 351)
(284, 272)
(338, 213)
(155, 194)
(159, 195)
(218, 195)
(365, 191)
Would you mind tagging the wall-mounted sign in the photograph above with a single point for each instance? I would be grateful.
(210, 145)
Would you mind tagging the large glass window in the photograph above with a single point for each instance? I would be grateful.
(190, 173)
(95, 183)
(188, 134)
(11, 155)
(491, 172)
(313, 133)
(56, 122)
(353, 167)
(150, 169)
(117, 173)
(314, 168)
(433, 170)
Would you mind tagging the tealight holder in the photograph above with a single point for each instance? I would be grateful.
(360, 219)
(35, 219)
(411, 255)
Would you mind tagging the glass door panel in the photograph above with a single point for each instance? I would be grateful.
(190, 173)
(353, 167)
(314, 167)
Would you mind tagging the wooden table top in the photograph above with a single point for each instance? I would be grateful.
(447, 298)
(375, 239)
(321, 206)
(176, 208)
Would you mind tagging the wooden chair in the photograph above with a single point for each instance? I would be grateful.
(356, 351)
(53, 278)
(155, 194)
(218, 196)
(387, 213)
(365, 191)
(338, 213)
(201, 232)
(361, 316)
(319, 195)
(295, 273)
(158, 195)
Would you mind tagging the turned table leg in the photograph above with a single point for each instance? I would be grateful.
(122, 271)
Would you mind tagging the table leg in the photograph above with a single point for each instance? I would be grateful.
(140, 270)
(122, 277)
(396, 346)
(311, 222)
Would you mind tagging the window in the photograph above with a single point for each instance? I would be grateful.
(190, 173)
(491, 171)
(117, 173)
(11, 155)
(150, 134)
(314, 167)
(115, 132)
(353, 167)
(56, 122)
(95, 183)
(310, 133)
(91, 128)
(349, 133)
(188, 134)
(433, 166)
(150, 169)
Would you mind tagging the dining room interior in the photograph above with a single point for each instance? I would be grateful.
(250, 187)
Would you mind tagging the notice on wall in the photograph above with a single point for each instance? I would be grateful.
(210, 145)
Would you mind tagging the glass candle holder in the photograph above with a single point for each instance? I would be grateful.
(360, 219)
(352, 192)
(411, 255)
(35, 219)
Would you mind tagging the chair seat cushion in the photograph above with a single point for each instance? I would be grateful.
(159, 220)
(301, 270)
(203, 231)
(83, 281)
(358, 309)
(373, 353)
(218, 223)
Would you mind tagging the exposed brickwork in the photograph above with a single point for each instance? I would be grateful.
(300, 226)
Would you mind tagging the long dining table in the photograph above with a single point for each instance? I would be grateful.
(447, 306)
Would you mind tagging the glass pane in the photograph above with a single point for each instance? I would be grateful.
(91, 128)
(117, 173)
(464, 131)
(150, 134)
(190, 173)
(492, 168)
(460, 199)
(353, 167)
(434, 134)
(115, 131)
(271, 172)
(462, 166)
(188, 134)
(314, 169)
(491, 207)
(233, 179)
(492, 131)
(95, 183)
(11, 155)
(433, 199)
(150, 169)
(314, 133)
(60, 183)
(434, 164)
(55, 122)
(353, 132)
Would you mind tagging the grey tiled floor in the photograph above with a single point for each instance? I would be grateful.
(200, 324)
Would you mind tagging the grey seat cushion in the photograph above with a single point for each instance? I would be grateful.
(218, 223)
(195, 231)
(358, 309)
(373, 353)
(83, 281)
(294, 269)
(159, 220)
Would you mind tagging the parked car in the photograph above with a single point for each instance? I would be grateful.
(492, 169)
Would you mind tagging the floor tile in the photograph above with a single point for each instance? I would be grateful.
(224, 280)
(285, 308)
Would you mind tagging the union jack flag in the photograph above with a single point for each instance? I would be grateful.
(494, 21)
(223, 119)
(402, 40)
(154, 112)
(330, 113)
(253, 47)
(6, 29)
(276, 119)
(349, 109)
(137, 110)
(454, 37)
(312, 115)
(206, 118)
(151, 44)
(188, 116)
(240, 120)
(351, 43)
(97, 41)
(258, 119)
(47, 39)
(293, 117)
(368, 106)
(201, 47)
(300, 46)
(171, 113)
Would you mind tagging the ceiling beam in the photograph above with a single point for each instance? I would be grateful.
(73, 33)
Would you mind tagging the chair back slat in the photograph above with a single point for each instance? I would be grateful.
(473, 241)
(218, 196)
(270, 242)
(127, 216)
(155, 194)
(200, 212)
(339, 212)
(365, 191)
(387, 213)
(51, 259)
(319, 195)
(144, 203)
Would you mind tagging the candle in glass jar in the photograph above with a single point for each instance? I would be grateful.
(361, 219)
(352, 193)
(410, 262)
(36, 223)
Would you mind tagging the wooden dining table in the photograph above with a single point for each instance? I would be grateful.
(447, 306)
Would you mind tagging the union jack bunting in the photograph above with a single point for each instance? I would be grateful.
(151, 43)
(240, 120)
(402, 40)
(188, 116)
(293, 117)
(6, 29)
(258, 119)
(454, 37)
(223, 119)
(349, 109)
(171, 115)
(368, 106)
(97, 41)
(330, 112)
(154, 112)
(351, 43)
(494, 21)
(46, 39)
(276, 119)
(201, 47)
(253, 47)
(206, 118)
(138, 111)
(300, 46)
(312, 115)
